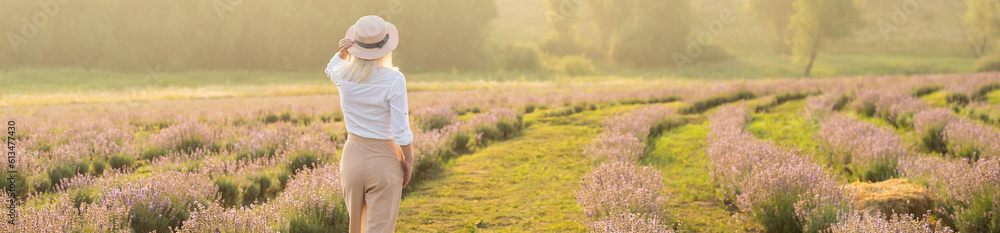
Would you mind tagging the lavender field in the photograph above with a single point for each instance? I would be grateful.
(784, 155)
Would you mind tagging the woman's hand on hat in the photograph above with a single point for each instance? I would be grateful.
(344, 45)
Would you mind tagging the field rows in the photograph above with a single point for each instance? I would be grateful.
(700, 157)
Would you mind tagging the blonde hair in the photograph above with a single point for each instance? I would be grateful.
(359, 70)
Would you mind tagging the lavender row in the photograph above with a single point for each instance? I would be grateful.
(735, 153)
(967, 193)
(313, 197)
(897, 108)
(620, 195)
(434, 145)
(780, 189)
(867, 152)
(463, 95)
(625, 137)
(615, 188)
(144, 204)
(941, 131)
(818, 107)
(858, 221)
(162, 202)
(95, 148)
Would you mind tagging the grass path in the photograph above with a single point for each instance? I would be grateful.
(785, 126)
(680, 155)
(525, 184)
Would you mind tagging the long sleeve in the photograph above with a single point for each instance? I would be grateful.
(399, 112)
(334, 62)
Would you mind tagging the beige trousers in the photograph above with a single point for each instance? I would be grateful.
(372, 178)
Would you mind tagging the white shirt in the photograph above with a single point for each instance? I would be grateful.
(374, 109)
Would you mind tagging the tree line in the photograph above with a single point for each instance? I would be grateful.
(646, 32)
(437, 35)
(233, 34)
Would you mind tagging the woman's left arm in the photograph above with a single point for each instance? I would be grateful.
(407, 163)
(399, 112)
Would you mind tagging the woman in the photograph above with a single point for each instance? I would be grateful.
(377, 159)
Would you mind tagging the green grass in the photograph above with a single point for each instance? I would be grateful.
(785, 126)
(680, 155)
(993, 97)
(524, 184)
(938, 99)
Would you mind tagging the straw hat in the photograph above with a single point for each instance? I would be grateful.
(373, 38)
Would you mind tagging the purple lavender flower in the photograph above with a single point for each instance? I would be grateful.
(858, 221)
(622, 187)
(870, 152)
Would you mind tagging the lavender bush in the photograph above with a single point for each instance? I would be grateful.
(624, 134)
(792, 197)
(981, 112)
(161, 201)
(817, 107)
(858, 221)
(626, 222)
(967, 192)
(185, 137)
(263, 141)
(972, 140)
(735, 153)
(615, 146)
(435, 117)
(622, 187)
(215, 218)
(869, 152)
(429, 145)
(60, 215)
(637, 122)
(972, 193)
(897, 108)
(313, 200)
(941, 131)
(620, 195)
(930, 127)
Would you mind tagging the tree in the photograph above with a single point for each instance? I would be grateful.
(609, 16)
(774, 14)
(657, 29)
(453, 38)
(982, 24)
(641, 32)
(562, 18)
(234, 34)
(818, 22)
